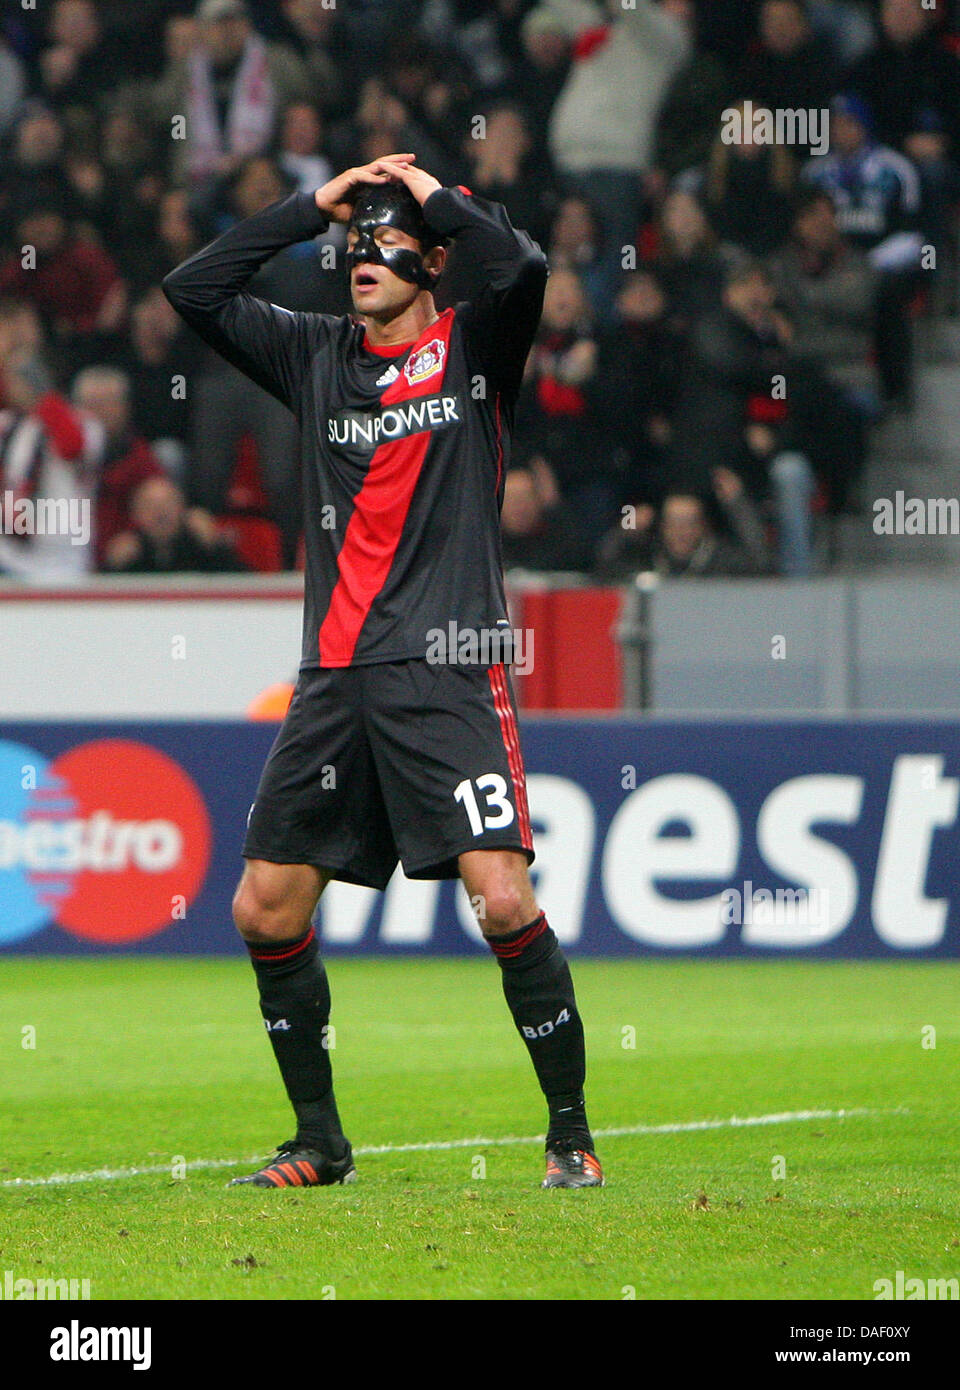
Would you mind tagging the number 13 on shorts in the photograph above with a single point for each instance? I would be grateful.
(497, 812)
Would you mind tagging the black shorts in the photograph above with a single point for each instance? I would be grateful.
(400, 760)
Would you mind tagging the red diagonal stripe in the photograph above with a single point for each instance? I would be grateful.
(379, 513)
(370, 543)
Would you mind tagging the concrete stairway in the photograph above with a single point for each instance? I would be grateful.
(916, 453)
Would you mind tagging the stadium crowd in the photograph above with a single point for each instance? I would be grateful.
(725, 322)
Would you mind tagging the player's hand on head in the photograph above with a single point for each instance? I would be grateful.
(420, 183)
(336, 198)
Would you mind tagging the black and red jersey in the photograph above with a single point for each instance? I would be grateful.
(404, 449)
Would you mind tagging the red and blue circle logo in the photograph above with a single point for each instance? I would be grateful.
(111, 841)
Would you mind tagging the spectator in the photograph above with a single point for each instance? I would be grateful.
(542, 68)
(309, 29)
(554, 415)
(81, 63)
(425, 85)
(634, 388)
(502, 170)
(846, 26)
(574, 244)
(789, 67)
(21, 329)
(538, 530)
(178, 233)
(689, 547)
(163, 354)
(691, 109)
(167, 538)
(877, 195)
(875, 189)
(928, 148)
(48, 456)
(126, 459)
(256, 183)
(828, 288)
(907, 71)
(301, 147)
(227, 411)
(692, 265)
(119, 189)
(230, 87)
(748, 191)
(381, 125)
(729, 414)
(304, 164)
(74, 284)
(479, 36)
(685, 543)
(35, 166)
(603, 125)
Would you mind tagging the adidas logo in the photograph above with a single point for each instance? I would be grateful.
(389, 375)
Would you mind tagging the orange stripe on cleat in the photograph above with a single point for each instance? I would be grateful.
(307, 1170)
(290, 1172)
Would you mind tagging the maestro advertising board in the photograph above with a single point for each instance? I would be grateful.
(813, 838)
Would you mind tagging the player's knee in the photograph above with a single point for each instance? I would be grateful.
(262, 915)
(502, 910)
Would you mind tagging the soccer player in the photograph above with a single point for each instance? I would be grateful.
(388, 753)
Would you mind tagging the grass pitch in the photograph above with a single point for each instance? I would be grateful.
(144, 1063)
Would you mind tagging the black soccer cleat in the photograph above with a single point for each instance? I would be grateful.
(568, 1166)
(296, 1165)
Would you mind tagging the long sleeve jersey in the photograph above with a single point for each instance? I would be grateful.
(403, 448)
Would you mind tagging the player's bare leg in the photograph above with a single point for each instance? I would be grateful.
(539, 992)
(273, 908)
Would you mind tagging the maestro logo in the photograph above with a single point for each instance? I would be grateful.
(103, 840)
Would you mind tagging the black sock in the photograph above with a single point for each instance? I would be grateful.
(539, 991)
(295, 1004)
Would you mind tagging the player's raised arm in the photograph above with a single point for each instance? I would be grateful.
(267, 343)
(514, 268)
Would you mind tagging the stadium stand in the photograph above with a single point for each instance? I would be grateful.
(689, 269)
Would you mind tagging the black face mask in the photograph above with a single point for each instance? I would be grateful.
(387, 205)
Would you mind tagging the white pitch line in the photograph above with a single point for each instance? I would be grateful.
(783, 1117)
